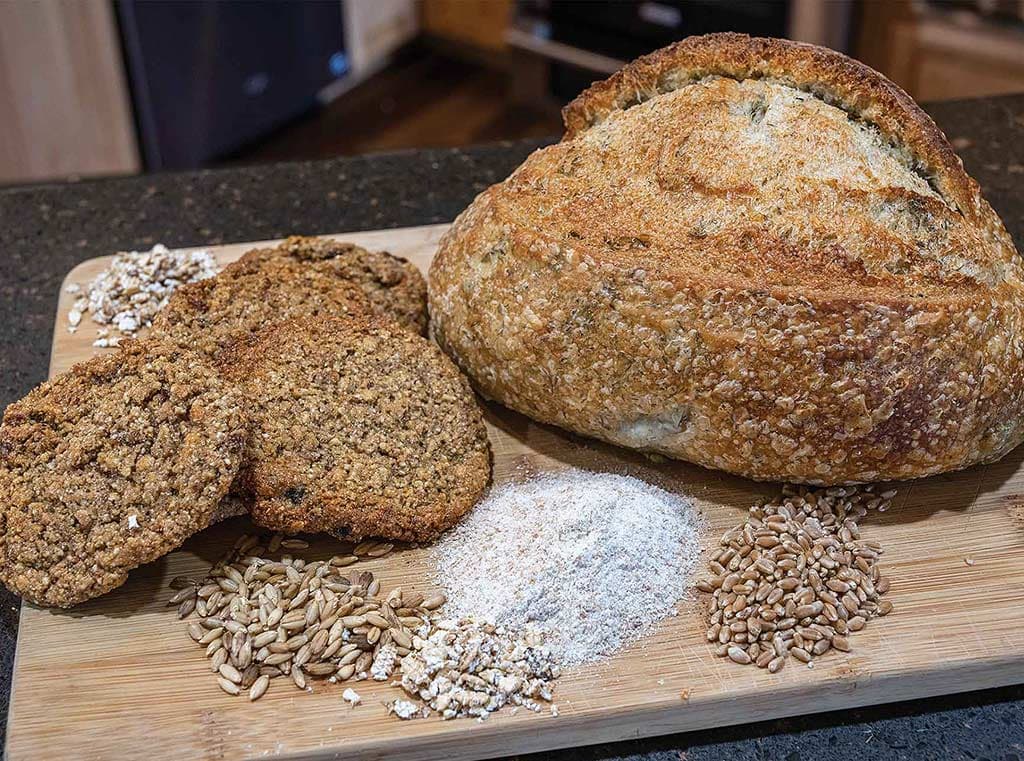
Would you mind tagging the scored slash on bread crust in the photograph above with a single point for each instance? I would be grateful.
(755, 255)
(112, 465)
(832, 77)
(358, 425)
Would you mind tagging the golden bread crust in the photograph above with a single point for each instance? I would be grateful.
(857, 89)
(755, 255)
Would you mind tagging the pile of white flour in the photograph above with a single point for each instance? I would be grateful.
(594, 559)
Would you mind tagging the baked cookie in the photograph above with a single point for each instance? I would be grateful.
(110, 466)
(247, 295)
(358, 426)
(230, 507)
(394, 286)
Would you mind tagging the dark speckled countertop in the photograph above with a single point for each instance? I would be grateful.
(45, 230)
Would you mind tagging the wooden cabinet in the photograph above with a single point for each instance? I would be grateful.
(64, 104)
(941, 55)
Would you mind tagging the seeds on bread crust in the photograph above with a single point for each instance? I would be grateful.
(393, 285)
(358, 425)
(110, 466)
(756, 255)
(247, 295)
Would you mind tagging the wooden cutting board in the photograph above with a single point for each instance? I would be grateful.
(119, 678)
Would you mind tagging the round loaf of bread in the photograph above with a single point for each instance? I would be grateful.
(755, 255)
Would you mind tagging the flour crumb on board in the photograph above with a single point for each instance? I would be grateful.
(587, 538)
(351, 696)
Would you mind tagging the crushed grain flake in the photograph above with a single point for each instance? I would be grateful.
(595, 560)
(351, 696)
(469, 669)
(405, 709)
(127, 295)
(383, 663)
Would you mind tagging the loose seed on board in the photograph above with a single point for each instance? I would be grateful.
(184, 593)
(379, 550)
(219, 659)
(362, 548)
(262, 619)
(797, 568)
(363, 663)
(738, 655)
(230, 673)
(259, 687)
(319, 669)
(433, 603)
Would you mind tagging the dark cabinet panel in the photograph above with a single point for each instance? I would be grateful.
(209, 77)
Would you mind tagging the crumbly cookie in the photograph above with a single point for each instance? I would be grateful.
(231, 506)
(359, 426)
(110, 466)
(395, 287)
(248, 295)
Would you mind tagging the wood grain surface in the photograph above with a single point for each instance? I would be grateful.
(63, 92)
(119, 677)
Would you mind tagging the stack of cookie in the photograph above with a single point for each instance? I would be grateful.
(297, 385)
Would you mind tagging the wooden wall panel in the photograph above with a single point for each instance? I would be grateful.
(64, 105)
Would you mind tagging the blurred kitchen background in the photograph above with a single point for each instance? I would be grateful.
(100, 87)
